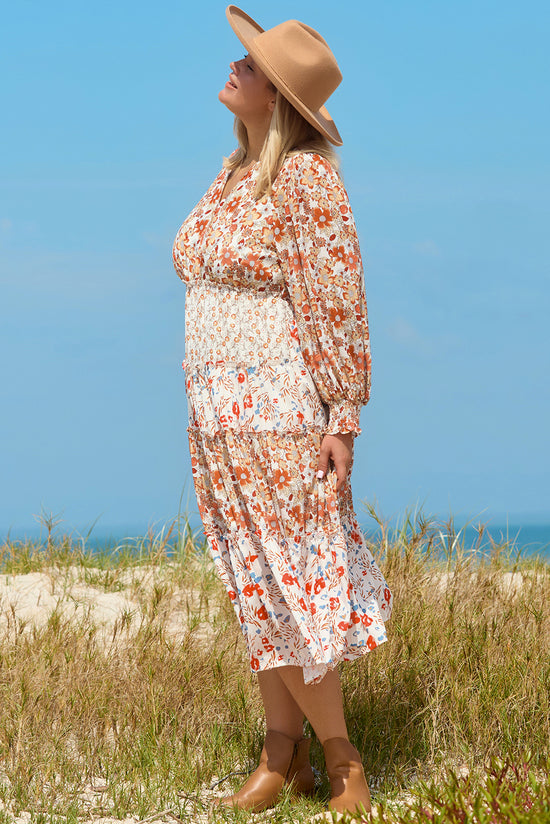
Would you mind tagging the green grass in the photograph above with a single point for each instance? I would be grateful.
(451, 715)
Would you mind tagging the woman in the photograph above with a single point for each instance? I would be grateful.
(277, 368)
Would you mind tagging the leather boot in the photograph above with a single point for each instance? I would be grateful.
(300, 776)
(283, 761)
(350, 792)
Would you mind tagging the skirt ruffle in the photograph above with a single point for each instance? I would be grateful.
(305, 587)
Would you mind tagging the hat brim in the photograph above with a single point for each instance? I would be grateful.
(247, 30)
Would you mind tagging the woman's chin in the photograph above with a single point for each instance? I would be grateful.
(223, 98)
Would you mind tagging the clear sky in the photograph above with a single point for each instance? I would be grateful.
(111, 131)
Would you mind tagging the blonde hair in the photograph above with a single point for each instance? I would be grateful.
(289, 133)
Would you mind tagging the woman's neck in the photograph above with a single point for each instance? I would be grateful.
(257, 133)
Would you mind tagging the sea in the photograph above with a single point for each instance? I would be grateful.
(521, 540)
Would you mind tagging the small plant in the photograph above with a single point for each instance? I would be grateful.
(504, 793)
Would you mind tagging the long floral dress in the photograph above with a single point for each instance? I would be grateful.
(277, 355)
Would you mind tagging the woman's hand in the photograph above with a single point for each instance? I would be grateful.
(339, 450)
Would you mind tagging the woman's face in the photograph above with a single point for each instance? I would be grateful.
(248, 93)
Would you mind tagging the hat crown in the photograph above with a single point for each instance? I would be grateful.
(302, 59)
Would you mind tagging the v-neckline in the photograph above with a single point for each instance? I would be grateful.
(221, 199)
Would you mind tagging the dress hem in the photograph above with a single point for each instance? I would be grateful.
(314, 673)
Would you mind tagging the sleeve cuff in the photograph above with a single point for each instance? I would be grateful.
(343, 417)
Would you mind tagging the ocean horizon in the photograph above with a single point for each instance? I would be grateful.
(527, 539)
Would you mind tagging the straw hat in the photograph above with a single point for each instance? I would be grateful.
(298, 62)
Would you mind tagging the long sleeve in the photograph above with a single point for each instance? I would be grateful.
(323, 272)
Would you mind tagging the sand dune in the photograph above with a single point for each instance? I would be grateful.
(82, 595)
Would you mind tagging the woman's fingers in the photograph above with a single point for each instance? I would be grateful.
(324, 458)
(339, 450)
(341, 468)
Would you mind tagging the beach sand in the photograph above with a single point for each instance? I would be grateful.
(29, 600)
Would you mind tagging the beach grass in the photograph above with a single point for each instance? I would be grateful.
(150, 712)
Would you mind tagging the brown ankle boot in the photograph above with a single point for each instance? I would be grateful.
(283, 761)
(300, 776)
(350, 792)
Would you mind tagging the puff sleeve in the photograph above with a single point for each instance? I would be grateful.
(322, 268)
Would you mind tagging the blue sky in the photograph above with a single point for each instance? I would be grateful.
(111, 133)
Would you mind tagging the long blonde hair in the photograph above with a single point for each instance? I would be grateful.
(288, 134)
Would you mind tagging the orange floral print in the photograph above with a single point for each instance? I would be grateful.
(322, 217)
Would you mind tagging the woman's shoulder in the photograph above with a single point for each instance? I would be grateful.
(308, 174)
(301, 162)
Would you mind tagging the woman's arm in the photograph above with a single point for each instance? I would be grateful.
(323, 272)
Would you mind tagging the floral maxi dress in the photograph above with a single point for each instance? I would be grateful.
(277, 355)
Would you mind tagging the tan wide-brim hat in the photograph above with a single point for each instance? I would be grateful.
(298, 62)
